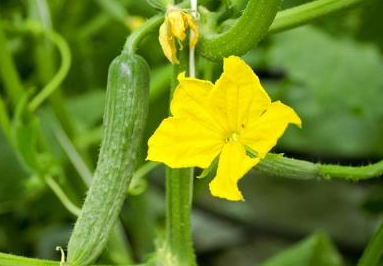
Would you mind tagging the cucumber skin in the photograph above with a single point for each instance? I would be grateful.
(124, 121)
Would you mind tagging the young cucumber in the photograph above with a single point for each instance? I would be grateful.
(124, 121)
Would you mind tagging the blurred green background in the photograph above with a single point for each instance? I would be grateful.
(330, 72)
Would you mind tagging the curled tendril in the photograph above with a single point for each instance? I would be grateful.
(35, 27)
(60, 75)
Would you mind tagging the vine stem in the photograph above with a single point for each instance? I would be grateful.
(302, 14)
(134, 39)
(374, 250)
(279, 166)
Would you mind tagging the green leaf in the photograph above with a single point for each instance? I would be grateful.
(335, 85)
(316, 250)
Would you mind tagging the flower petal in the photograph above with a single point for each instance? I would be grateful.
(190, 100)
(233, 165)
(168, 44)
(192, 23)
(183, 142)
(236, 91)
(262, 134)
(177, 24)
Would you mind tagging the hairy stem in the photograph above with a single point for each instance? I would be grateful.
(279, 166)
(132, 42)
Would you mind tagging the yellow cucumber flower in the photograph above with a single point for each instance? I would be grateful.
(233, 119)
(176, 22)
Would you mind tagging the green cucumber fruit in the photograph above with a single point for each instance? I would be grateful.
(244, 35)
(124, 121)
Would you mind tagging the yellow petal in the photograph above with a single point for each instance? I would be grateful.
(167, 43)
(192, 23)
(237, 90)
(183, 142)
(233, 165)
(176, 22)
(190, 99)
(263, 133)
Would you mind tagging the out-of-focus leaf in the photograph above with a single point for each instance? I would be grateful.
(87, 108)
(12, 176)
(297, 207)
(336, 86)
(317, 250)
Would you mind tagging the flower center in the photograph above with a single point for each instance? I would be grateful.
(232, 137)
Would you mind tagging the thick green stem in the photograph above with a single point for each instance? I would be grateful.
(132, 42)
(302, 14)
(374, 250)
(279, 166)
(179, 186)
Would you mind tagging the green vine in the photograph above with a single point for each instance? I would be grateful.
(305, 13)
(280, 166)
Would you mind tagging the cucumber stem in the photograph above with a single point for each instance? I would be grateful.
(279, 166)
(134, 39)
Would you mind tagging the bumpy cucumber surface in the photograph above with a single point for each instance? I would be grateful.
(124, 121)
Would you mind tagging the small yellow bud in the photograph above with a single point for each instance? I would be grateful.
(176, 22)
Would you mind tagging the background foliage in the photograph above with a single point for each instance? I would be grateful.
(330, 72)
